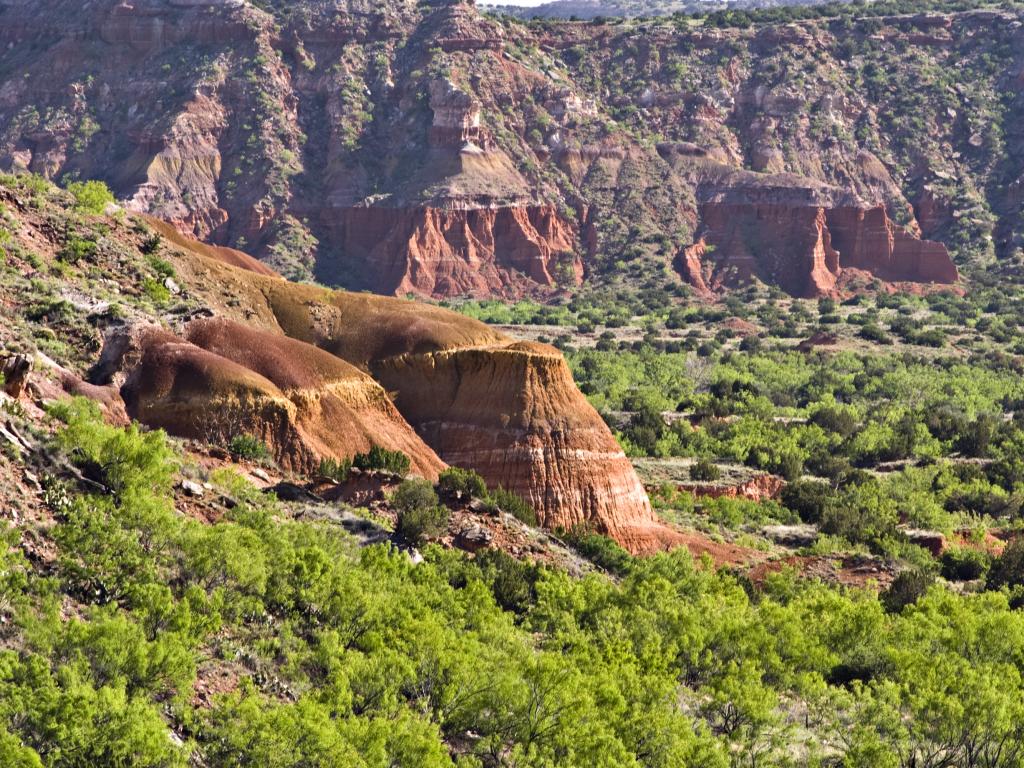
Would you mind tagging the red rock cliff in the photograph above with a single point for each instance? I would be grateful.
(453, 252)
(514, 414)
(802, 237)
(465, 223)
(509, 410)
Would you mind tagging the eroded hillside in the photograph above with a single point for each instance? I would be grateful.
(206, 345)
(426, 148)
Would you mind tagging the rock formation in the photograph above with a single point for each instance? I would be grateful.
(225, 379)
(477, 398)
(512, 413)
(758, 488)
(465, 223)
(482, 251)
(802, 237)
(429, 148)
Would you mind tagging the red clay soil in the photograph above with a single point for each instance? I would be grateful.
(224, 255)
(849, 571)
(722, 554)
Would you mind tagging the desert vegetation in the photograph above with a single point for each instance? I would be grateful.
(329, 655)
(603, 482)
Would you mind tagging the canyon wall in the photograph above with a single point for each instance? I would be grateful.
(808, 240)
(427, 148)
(442, 252)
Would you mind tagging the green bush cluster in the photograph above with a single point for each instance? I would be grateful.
(704, 471)
(246, 446)
(335, 470)
(455, 481)
(420, 512)
(600, 550)
(377, 458)
(91, 197)
(513, 504)
(364, 659)
(76, 249)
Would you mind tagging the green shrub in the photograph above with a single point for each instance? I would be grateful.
(841, 421)
(1008, 569)
(513, 583)
(906, 589)
(511, 503)
(77, 248)
(162, 267)
(246, 446)
(871, 331)
(420, 514)
(751, 344)
(382, 459)
(963, 564)
(456, 481)
(125, 461)
(335, 470)
(91, 196)
(14, 754)
(704, 471)
(151, 244)
(808, 498)
(600, 550)
(157, 292)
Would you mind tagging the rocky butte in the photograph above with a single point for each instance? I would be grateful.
(469, 224)
(317, 374)
(428, 148)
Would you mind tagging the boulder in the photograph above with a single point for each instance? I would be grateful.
(16, 369)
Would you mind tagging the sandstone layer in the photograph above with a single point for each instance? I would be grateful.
(478, 399)
(225, 379)
(457, 251)
(513, 413)
(804, 238)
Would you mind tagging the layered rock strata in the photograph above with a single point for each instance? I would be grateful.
(465, 223)
(803, 238)
(301, 131)
(225, 379)
(478, 399)
(512, 413)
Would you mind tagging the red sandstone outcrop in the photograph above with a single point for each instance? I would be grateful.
(438, 252)
(513, 413)
(758, 488)
(801, 236)
(509, 410)
(224, 379)
(465, 223)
